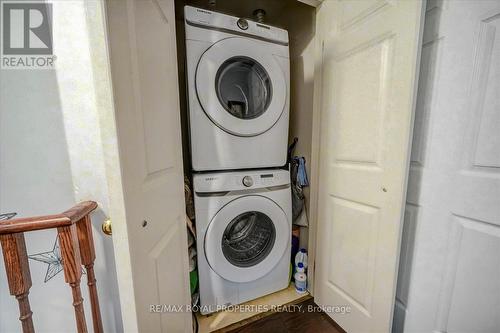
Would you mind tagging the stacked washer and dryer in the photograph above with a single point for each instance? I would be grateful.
(238, 89)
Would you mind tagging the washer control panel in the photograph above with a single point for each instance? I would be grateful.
(247, 181)
(239, 180)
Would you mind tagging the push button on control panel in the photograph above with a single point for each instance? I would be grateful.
(242, 24)
(247, 181)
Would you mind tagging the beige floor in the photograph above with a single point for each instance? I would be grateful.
(258, 308)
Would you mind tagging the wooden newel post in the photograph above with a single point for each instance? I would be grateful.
(70, 253)
(87, 252)
(18, 275)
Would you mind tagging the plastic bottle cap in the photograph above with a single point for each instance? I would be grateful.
(300, 265)
(303, 250)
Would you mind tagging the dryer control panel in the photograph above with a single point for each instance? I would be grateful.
(218, 21)
(239, 180)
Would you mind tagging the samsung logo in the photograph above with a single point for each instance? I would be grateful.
(204, 11)
(210, 178)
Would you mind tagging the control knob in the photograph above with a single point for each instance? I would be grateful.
(247, 181)
(242, 24)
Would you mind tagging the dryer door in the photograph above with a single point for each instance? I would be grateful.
(241, 86)
(247, 238)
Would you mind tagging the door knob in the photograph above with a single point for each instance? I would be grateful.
(106, 227)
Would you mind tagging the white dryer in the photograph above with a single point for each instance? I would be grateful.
(238, 75)
(243, 227)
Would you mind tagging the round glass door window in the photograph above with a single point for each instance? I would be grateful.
(243, 87)
(248, 239)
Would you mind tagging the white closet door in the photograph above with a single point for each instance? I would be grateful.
(369, 60)
(450, 270)
(144, 75)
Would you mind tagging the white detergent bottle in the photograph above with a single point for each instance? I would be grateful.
(301, 256)
(300, 279)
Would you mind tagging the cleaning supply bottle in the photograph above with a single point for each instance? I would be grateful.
(300, 279)
(301, 257)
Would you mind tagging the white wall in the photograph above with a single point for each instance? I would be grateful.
(58, 147)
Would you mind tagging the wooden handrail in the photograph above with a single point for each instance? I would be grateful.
(84, 208)
(74, 230)
(67, 218)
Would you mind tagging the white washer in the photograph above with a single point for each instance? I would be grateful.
(243, 227)
(238, 75)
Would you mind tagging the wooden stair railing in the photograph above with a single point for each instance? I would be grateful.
(74, 231)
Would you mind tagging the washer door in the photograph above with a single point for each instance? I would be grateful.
(241, 86)
(247, 238)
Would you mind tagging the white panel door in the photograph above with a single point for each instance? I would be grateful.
(144, 74)
(450, 270)
(369, 61)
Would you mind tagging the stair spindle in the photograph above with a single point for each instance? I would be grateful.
(18, 275)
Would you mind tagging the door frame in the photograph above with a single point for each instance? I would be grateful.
(315, 157)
